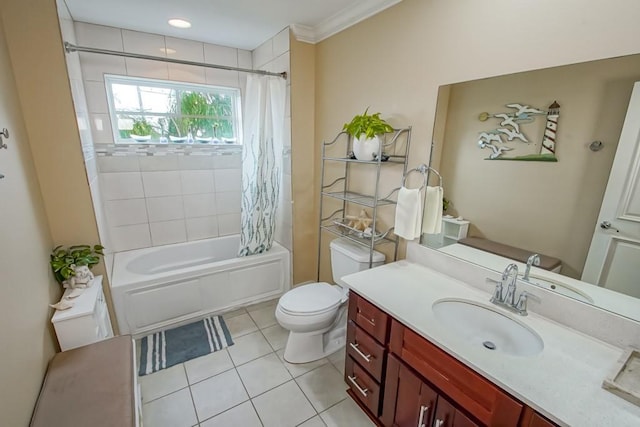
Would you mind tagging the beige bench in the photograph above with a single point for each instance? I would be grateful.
(94, 385)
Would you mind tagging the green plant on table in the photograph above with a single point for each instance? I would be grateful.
(65, 260)
(368, 124)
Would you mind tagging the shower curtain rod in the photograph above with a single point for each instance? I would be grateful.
(68, 47)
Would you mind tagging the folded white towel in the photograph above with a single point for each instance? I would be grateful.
(408, 214)
(433, 210)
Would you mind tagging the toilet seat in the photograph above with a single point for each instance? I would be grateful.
(311, 299)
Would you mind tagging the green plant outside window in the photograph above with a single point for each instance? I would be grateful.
(157, 111)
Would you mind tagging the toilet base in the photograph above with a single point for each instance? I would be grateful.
(307, 347)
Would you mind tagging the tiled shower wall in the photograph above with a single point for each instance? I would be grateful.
(162, 199)
(169, 194)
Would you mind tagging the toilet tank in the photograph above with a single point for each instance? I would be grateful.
(348, 257)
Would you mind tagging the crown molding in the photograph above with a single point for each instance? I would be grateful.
(304, 33)
(341, 20)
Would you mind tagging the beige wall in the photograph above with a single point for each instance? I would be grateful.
(26, 285)
(48, 191)
(38, 60)
(304, 157)
(550, 208)
(395, 61)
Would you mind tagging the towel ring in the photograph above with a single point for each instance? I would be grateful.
(423, 169)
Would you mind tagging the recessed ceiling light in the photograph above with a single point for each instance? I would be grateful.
(179, 23)
(167, 50)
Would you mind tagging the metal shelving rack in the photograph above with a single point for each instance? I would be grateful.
(396, 147)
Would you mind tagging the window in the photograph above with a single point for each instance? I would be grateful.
(157, 112)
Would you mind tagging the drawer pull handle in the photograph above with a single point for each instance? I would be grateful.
(438, 423)
(366, 357)
(360, 389)
(372, 320)
(423, 410)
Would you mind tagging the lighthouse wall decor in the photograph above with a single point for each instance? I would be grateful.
(551, 128)
(511, 131)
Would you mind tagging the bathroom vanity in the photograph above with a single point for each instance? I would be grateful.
(406, 366)
(401, 379)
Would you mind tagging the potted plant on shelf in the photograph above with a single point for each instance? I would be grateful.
(141, 131)
(72, 266)
(366, 130)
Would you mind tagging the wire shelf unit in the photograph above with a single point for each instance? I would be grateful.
(394, 150)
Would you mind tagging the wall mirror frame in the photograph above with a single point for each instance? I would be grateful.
(550, 208)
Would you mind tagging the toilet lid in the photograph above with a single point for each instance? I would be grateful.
(311, 299)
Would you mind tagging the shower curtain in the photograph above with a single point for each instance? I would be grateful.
(263, 133)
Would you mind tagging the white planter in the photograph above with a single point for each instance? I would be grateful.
(366, 148)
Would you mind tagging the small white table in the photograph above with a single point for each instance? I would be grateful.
(86, 322)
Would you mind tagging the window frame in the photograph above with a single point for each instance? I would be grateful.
(235, 118)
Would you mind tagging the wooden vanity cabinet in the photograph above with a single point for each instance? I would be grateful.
(362, 348)
(448, 416)
(412, 402)
(364, 388)
(478, 396)
(369, 318)
(401, 379)
(531, 419)
(367, 336)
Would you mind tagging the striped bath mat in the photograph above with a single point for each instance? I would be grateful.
(172, 346)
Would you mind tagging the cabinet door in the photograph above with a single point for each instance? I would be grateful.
(448, 416)
(101, 317)
(428, 399)
(408, 398)
(485, 401)
(415, 400)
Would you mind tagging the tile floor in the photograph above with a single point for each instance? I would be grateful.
(250, 385)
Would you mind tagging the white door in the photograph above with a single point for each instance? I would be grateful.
(614, 256)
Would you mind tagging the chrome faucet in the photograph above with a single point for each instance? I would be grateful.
(508, 300)
(532, 260)
(510, 276)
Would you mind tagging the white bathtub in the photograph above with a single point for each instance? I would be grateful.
(155, 287)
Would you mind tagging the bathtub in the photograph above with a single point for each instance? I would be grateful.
(156, 287)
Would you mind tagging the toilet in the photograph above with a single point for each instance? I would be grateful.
(316, 313)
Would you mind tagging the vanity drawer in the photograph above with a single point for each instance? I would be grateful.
(369, 317)
(363, 387)
(482, 399)
(365, 350)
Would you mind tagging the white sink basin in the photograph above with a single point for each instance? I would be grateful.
(561, 288)
(487, 328)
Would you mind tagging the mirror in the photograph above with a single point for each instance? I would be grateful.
(549, 208)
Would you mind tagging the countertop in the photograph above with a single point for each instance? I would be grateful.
(563, 382)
